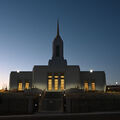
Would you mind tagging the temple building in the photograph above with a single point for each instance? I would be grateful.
(57, 75)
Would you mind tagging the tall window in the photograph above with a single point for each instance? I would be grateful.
(62, 84)
(93, 86)
(19, 86)
(27, 85)
(57, 51)
(56, 81)
(56, 84)
(86, 87)
(49, 84)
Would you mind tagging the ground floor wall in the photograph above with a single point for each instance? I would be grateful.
(20, 79)
(58, 79)
(95, 80)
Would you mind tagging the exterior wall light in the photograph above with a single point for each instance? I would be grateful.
(116, 83)
(18, 71)
(91, 71)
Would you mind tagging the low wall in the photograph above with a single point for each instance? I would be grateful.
(92, 102)
(16, 104)
(71, 103)
(52, 105)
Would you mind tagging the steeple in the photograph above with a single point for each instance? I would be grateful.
(57, 27)
(57, 51)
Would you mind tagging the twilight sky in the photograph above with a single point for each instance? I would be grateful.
(90, 30)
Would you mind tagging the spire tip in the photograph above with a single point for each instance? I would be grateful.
(58, 27)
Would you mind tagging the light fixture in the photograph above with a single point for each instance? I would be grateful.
(116, 83)
(91, 71)
(18, 71)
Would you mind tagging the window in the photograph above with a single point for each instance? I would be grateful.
(56, 76)
(93, 86)
(56, 81)
(56, 84)
(62, 84)
(19, 86)
(86, 86)
(57, 51)
(49, 84)
(62, 76)
(50, 76)
(27, 85)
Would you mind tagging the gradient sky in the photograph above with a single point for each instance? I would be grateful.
(90, 30)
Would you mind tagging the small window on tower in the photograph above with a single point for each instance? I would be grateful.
(57, 51)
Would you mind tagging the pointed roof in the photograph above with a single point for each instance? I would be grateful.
(58, 37)
(57, 27)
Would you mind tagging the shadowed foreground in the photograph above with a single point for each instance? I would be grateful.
(78, 102)
(73, 116)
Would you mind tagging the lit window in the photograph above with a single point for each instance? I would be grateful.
(55, 76)
(26, 85)
(62, 76)
(49, 84)
(62, 84)
(56, 84)
(93, 86)
(19, 86)
(50, 76)
(86, 86)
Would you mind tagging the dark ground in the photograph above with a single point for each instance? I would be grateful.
(60, 116)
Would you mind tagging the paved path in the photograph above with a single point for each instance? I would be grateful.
(65, 116)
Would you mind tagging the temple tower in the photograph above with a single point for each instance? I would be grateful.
(57, 51)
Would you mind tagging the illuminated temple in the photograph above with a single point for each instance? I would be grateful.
(57, 75)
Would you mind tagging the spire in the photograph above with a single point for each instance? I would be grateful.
(57, 27)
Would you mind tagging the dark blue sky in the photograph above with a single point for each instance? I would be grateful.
(90, 30)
